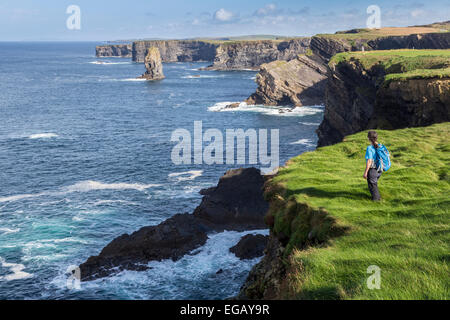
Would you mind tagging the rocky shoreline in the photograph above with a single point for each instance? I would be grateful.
(236, 203)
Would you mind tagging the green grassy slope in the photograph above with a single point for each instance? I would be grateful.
(321, 194)
(402, 64)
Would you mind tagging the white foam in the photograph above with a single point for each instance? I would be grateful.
(197, 266)
(102, 202)
(43, 135)
(202, 76)
(305, 142)
(133, 79)
(90, 185)
(16, 270)
(268, 110)
(83, 186)
(187, 175)
(8, 230)
(108, 62)
(310, 123)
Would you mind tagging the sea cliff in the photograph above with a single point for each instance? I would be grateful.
(321, 49)
(385, 89)
(327, 237)
(114, 50)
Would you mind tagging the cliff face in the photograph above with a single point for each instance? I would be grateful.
(357, 98)
(114, 50)
(175, 50)
(252, 54)
(153, 64)
(301, 83)
(298, 82)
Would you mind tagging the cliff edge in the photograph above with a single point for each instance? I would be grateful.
(385, 90)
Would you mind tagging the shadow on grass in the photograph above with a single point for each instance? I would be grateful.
(320, 193)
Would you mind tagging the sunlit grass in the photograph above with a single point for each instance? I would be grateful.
(407, 234)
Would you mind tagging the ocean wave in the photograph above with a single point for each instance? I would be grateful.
(15, 269)
(90, 185)
(310, 123)
(199, 265)
(8, 230)
(268, 110)
(108, 62)
(305, 142)
(133, 79)
(82, 186)
(43, 135)
(187, 175)
(202, 76)
(103, 202)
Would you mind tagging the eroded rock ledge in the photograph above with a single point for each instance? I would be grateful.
(236, 203)
(298, 82)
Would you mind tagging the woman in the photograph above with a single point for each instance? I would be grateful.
(372, 172)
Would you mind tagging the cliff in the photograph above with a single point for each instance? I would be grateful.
(251, 54)
(153, 64)
(385, 89)
(273, 90)
(300, 81)
(114, 50)
(176, 50)
(327, 237)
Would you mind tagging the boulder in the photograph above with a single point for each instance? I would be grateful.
(250, 246)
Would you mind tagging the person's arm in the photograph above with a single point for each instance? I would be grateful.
(368, 166)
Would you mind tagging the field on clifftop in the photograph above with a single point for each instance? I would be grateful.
(335, 232)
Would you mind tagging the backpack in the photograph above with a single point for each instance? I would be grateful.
(384, 158)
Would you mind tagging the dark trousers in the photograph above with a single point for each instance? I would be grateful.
(372, 180)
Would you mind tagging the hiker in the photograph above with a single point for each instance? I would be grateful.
(373, 169)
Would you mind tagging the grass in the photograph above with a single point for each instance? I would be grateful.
(371, 34)
(401, 64)
(320, 203)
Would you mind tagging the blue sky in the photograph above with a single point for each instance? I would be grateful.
(112, 20)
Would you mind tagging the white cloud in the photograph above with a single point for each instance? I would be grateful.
(223, 15)
(267, 9)
(417, 13)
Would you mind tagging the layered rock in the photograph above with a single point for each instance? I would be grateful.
(236, 203)
(176, 50)
(114, 50)
(298, 82)
(359, 98)
(153, 64)
(251, 54)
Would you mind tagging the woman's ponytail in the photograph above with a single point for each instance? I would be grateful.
(373, 136)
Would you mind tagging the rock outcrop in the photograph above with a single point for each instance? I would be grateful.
(265, 278)
(252, 54)
(236, 203)
(153, 64)
(250, 246)
(298, 82)
(114, 50)
(359, 98)
(301, 82)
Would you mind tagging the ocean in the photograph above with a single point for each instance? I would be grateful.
(85, 156)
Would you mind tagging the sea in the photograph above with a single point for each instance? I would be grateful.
(85, 156)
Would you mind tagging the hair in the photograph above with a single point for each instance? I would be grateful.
(373, 136)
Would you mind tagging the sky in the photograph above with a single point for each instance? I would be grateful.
(100, 20)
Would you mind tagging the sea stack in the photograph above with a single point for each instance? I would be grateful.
(153, 64)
